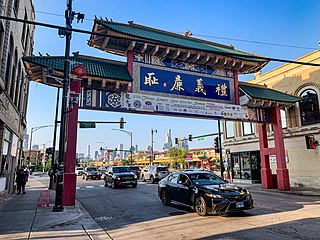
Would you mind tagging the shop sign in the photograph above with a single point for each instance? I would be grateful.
(189, 157)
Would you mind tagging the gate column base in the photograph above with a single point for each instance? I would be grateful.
(69, 189)
(283, 179)
(266, 178)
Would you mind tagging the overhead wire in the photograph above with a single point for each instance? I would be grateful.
(210, 36)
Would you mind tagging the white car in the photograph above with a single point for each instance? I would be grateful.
(79, 171)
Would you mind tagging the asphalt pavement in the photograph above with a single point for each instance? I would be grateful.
(30, 216)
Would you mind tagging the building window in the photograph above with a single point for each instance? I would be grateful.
(247, 128)
(23, 35)
(229, 129)
(9, 64)
(18, 85)
(283, 118)
(1, 40)
(309, 107)
(13, 75)
(16, 7)
(5, 150)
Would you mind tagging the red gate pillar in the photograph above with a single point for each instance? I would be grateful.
(266, 176)
(70, 178)
(282, 171)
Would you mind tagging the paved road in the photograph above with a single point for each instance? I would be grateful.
(137, 213)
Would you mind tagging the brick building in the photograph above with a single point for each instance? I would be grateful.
(300, 122)
(16, 41)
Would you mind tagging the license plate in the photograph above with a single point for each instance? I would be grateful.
(239, 205)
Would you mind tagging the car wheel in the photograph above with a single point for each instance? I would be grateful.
(152, 179)
(113, 184)
(164, 197)
(134, 185)
(143, 179)
(201, 206)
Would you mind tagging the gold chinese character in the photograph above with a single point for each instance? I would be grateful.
(221, 90)
(151, 79)
(177, 84)
(200, 88)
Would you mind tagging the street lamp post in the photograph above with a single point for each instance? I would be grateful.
(130, 134)
(31, 133)
(152, 157)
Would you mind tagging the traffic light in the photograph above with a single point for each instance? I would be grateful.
(176, 140)
(216, 144)
(49, 151)
(122, 123)
(190, 137)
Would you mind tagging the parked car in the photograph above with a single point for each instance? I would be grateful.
(136, 170)
(204, 192)
(120, 175)
(91, 173)
(155, 173)
(79, 171)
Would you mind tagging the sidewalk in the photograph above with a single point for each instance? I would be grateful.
(30, 216)
(302, 191)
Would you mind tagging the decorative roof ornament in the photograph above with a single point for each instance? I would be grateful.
(187, 33)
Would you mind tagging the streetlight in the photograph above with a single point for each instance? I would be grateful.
(32, 131)
(130, 134)
(152, 157)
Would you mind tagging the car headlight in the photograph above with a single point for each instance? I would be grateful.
(118, 178)
(213, 195)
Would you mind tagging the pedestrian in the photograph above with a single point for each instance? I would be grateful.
(21, 179)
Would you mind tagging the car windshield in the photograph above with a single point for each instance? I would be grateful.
(134, 168)
(79, 168)
(160, 169)
(121, 169)
(205, 179)
(92, 169)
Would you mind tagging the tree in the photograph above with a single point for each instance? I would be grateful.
(177, 155)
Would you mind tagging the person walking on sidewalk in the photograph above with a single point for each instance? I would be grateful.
(21, 179)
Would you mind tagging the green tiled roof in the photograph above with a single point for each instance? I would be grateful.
(261, 92)
(96, 67)
(176, 40)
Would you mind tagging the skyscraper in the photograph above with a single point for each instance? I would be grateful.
(88, 152)
(168, 143)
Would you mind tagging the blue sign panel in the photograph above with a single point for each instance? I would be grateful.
(183, 84)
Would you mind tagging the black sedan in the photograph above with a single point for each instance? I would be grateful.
(204, 192)
(120, 175)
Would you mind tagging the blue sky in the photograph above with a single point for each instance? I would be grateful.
(253, 26)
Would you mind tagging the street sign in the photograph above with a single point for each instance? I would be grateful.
(110, 151)
(200, 138)
(87, 125)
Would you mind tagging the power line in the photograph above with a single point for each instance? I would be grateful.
(235, 55)
(209, 36)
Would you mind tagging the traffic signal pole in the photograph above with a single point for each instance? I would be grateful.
(65, 87)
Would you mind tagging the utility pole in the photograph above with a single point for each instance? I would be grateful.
(220, 149)
(69, 15)
(53, 163)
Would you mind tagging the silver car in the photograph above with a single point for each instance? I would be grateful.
(155, 173)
